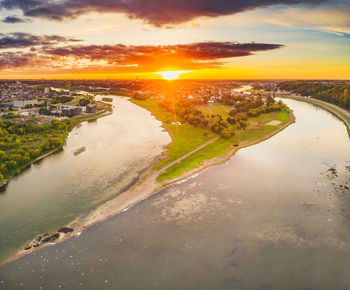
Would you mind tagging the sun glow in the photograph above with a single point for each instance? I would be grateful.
(171, 75)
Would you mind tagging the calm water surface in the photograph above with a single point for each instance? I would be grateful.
(240, 225)
(63, 186)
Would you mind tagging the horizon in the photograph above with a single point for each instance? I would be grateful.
(225, 40)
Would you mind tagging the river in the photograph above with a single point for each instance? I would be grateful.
(65, 185)
(275, 216)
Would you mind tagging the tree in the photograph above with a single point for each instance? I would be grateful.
(242, 125)
(225, 133)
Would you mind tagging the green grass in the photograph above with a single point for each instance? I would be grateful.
(219, 148)
(185, 137)
(216, 109)
(222, 147)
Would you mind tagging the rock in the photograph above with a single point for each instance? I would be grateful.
(46, 234)
(36, 245)
(51, 238)
(65, 230)
(46, 240)
(55, 236)
(28, 248)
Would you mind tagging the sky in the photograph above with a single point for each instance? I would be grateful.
(206, 39)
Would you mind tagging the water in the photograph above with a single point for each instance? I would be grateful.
(240, 225)
(63, 186)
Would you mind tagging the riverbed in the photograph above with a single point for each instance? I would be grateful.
(275, 216)
(113, 151)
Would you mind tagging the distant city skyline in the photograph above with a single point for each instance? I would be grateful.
(207, 39)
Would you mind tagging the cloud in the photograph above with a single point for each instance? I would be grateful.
(156, 12)
(10, 60)
(132, 58)
(334, 19)
(22, 40)
(14, 19)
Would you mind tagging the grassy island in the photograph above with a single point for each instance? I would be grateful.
(201, 132)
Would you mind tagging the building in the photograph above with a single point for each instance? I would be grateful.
(71, 111)
(91, 108)
(24, 103)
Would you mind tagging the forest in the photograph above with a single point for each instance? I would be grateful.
(334, 93)
(21, 143)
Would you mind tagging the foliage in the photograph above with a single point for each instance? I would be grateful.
(334, 93)
(83, 102)
(21, 143)
(223, 146)
(61, 99)
(44, 111)
(221, 123)
(11, 116)
(106, 99)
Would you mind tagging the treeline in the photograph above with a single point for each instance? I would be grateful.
(20, 143)
(243, 107)
(337, 94)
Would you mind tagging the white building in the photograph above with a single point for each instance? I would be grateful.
(23, 103)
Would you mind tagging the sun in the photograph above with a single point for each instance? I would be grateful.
(171, 75)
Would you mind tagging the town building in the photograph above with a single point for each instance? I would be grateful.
(91, 108)
(24, 103)
(71, 111)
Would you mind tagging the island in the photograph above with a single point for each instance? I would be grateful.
(213, 131)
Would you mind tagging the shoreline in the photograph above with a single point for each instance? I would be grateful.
(5, 182)
(145, 187)
(331, 108)
(95, 116)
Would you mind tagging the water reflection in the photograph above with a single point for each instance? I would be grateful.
(241, 225)
(56, 190)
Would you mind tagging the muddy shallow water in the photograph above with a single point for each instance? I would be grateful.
(101, 159)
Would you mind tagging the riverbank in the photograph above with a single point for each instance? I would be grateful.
(340, 113)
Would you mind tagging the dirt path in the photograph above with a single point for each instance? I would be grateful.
(188, 154)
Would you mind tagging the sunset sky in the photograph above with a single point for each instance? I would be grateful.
(210, 39)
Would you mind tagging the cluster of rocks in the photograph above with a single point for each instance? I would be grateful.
(46, 238)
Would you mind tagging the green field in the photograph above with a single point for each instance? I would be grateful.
(216, 109)
(221, 147)
(186, 138)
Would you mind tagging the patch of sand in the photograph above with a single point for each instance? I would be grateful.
(274, 123)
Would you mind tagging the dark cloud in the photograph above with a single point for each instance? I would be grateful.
(132, 58)
(157, 12)
(14, 19)
(11, 60)
(120, 53)
(151, 58)
(22, 40)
